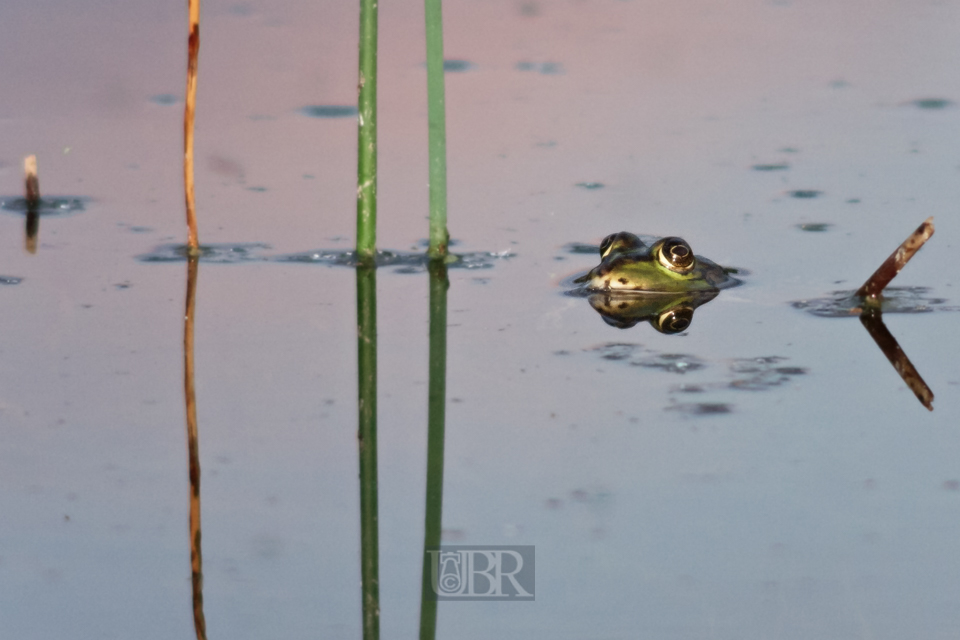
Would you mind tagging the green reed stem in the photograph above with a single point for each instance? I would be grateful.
(436, 425)
(367, 446)
(367, 134)
(437, 120)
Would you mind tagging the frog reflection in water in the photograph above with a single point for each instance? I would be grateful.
(662, 283)
(667, 266)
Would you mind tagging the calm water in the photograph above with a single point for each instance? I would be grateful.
(765, 474)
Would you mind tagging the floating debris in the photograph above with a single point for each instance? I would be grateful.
(617, 350)
(636, 356)
(49, 206)
(211, 253)
(782, 166)
(742, 374)
(330, 111)
(760, 374)
(10, 280)
(405, 261)
(846, 304)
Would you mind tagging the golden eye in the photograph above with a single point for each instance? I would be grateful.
(675, 254)
(674, 320)
(606, 244)
(623, 241)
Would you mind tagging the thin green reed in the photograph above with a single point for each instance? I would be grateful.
(437, 120)
(367, 447)
(436, 419)
(367, 134)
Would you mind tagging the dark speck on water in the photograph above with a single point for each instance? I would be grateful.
(701, 408)
(932, 103)
(805, 193)
(581, 248)
(543, 68)
(591, 185)
(457, 66)
(814, 226)
(10, 280)
(165, 99)
(771, 167)
(329, 111)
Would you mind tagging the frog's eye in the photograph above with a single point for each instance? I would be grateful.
(674, 320)
(606, 245)
(675, 254)
(623, 241)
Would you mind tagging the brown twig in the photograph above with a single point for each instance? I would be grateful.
(32, 190)
(193, 49)
(892, 265)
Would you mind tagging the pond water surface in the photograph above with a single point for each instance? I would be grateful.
(763, 474)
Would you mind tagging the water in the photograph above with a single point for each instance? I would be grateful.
(765, 473)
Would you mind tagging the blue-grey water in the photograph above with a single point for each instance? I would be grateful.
(765, 474)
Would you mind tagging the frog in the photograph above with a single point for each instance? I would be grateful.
(628, 265)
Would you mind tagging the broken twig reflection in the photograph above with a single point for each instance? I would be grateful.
(873, 322)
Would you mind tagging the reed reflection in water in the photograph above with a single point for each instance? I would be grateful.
(436, 425)
(193, 450)
(367, 447)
